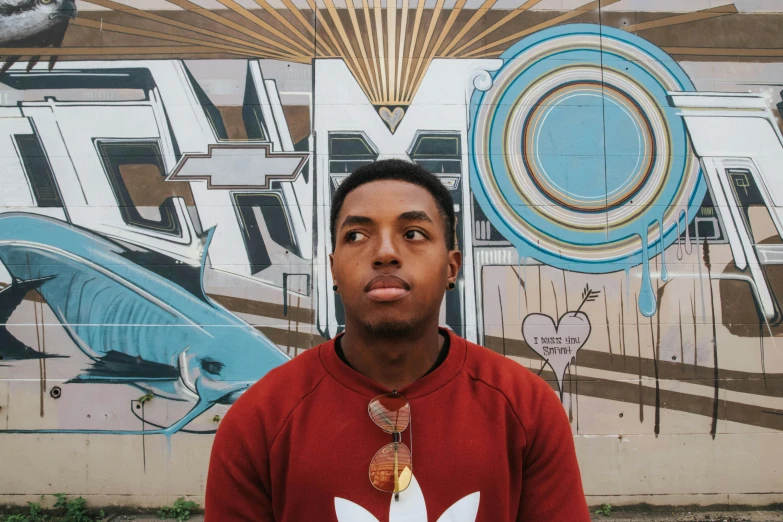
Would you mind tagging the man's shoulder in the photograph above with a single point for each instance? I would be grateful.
(523, 389)
(496, 369)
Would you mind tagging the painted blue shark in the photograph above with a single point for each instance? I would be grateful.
(150, 325)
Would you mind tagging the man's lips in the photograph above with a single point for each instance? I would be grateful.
(386, 288)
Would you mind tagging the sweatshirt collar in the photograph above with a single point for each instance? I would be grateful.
(357, 382)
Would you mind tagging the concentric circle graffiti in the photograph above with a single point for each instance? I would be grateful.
(577, 157)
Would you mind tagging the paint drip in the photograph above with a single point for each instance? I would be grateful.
(679, 238)
(520, 256)
(519, 288)
(627, 283)
(664, 272)
(524, 280)
(647, 303)
(701, 281)
(688, 246)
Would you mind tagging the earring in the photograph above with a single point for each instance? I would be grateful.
(334, 288)
(451, 285)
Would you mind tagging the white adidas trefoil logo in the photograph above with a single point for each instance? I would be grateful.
(410, 508)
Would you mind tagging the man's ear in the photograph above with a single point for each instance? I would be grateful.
(455, 264)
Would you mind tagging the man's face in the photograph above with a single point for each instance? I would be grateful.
(391, 262)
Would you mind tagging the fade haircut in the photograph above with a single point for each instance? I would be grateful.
(397, 170)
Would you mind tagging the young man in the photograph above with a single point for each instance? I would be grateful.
(396, 419)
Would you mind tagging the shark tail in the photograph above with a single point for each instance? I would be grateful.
(11, 297)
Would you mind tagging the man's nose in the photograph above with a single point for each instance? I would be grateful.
(387, 253)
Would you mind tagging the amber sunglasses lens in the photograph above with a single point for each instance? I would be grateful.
(390, 412)
(391, 468)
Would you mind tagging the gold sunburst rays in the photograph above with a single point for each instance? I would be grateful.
(116, 6)
(579, 11)
(387, 47)
(85, 22)
(106, 52)
(257, 20)
(494, 27)
(399, 59)
(263, 42)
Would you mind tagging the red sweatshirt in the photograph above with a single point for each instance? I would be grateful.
(490, 442)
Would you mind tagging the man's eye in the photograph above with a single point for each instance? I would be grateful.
(354, 236)
(415, 235)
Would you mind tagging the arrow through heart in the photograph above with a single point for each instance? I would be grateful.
(557, 343)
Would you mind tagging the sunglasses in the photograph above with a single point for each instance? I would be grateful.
(391, 469)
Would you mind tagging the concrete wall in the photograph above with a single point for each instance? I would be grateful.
(616, 166)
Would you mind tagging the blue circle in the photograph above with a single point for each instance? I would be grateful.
(574, 128)
(575, 132)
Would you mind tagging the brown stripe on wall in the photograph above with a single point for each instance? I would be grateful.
(769, 385)
(626, 391)
(262, 309)
(294, 339)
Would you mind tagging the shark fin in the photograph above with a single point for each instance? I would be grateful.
(189, 276)
(186, 275)
(207, 240)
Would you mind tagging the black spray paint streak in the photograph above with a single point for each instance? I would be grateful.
(657, 356)
(118, 367)
(716, 376)
(608, 334)
(639, 346)
(502, 322)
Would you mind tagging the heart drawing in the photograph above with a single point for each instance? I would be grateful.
(391, 118)
(557, 343)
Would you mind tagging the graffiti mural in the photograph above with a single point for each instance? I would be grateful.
(34, 23)
(168, 168)
(136, 326)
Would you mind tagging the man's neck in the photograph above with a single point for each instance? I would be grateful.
(393, 362)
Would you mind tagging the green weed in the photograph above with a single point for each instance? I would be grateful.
(605, 510)
(65, 510)
(180, 510)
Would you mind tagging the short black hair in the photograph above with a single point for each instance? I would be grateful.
(398, 170)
